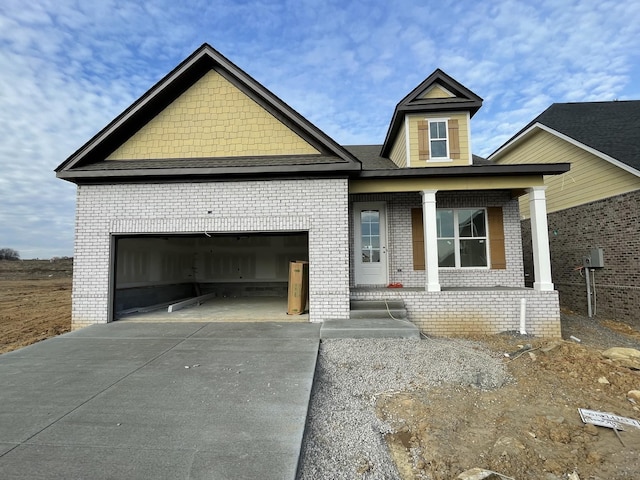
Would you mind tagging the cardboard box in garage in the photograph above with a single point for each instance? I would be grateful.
(298, 287)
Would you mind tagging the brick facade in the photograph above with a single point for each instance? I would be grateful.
(256, 206)
(400, 250)
(612, 224)
(480, 311)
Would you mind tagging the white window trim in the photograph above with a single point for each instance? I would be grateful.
(456, 240)
(433, 159)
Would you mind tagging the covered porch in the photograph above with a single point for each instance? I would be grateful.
(451, 251)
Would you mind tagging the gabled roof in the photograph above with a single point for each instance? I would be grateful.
(463, 99)
(610, 130)
(87, 161)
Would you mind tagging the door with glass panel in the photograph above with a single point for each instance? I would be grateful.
(370, 236)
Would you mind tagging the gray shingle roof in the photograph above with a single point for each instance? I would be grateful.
(212, 163)
(612, 128)
(369, 156)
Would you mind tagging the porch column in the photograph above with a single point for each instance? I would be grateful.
(540, 239)
(430, 240)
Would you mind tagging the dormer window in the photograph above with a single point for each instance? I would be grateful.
(438, 139)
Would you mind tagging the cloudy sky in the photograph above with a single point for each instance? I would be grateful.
(69, 67)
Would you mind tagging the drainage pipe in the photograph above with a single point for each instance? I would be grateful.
(523, 316)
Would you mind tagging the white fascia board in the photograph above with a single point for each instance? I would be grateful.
(407, 138)
(469, 138)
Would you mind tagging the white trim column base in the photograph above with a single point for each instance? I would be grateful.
(432, 280)
(540, 239)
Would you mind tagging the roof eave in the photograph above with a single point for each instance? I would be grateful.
(79, 176)
(471, 170)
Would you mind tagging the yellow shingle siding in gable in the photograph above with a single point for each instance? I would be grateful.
(399, 150)
(463, 133)
(213, 118)
(436, 92)
(591, 178)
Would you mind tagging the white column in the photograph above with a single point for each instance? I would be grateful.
(540, 239)
(432, 283)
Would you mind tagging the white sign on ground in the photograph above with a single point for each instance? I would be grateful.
(604, 419)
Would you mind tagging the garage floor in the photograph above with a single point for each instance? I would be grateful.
(242, 309)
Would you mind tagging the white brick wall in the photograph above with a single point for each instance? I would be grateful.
(400, 248)
(476, 311)
(316, 206)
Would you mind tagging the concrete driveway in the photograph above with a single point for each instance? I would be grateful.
(118, 401)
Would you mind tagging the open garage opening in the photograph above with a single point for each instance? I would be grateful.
(212, 276)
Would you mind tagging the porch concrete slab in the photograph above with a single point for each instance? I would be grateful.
(237, 411)
(369, 328)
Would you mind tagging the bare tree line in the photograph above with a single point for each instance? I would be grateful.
(9, 254)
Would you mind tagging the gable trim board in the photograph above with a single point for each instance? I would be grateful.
(407, 135)
(514, 142)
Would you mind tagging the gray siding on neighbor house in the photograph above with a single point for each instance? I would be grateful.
(400, 247)
(316, 206)
(612, 224)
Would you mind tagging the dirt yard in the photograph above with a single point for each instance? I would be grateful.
(528, 429)
(35, 301)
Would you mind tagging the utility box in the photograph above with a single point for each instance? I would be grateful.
(298, 287)
(595, 259)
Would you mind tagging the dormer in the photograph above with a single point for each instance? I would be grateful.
(431, 126)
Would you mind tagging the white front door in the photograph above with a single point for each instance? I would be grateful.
(370, 248)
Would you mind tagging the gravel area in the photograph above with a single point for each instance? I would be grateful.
(344, 438)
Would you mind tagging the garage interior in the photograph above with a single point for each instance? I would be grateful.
(235, 276)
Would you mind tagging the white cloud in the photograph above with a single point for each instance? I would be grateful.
(68, 67)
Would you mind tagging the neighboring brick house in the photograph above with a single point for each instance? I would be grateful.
(210, 182)
(595, 205)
